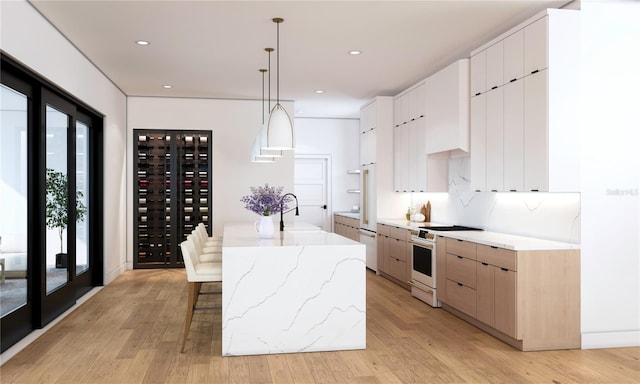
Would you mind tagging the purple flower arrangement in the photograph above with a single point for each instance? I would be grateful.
(265, 201)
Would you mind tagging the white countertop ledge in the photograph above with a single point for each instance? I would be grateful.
(243, 235)
(507, 241)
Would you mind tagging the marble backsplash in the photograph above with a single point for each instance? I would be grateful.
(552, 216)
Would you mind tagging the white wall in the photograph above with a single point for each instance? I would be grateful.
(338, 138)
(30, 39)
(610, 174)
(234, 124)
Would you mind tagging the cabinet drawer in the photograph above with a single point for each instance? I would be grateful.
(399, 233)
(397, 269)
(461, 248)
(397, 249)
(383, 230)
(351, 222)
(500, 257)
(339, 219)
(461, 270)
(461, 297)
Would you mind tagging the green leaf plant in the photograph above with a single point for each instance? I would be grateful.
(57, 203)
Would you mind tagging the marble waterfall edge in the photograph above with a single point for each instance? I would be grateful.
(285, 299)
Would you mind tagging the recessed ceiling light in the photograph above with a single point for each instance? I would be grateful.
(355, 52)
(167, 86)
(142, 42)
(319, 91)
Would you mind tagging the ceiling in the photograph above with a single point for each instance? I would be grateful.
(213, 49)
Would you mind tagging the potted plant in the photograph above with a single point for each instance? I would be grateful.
(57, 208)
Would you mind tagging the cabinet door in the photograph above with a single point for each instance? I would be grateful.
(371, 145)
(421, 100)
(421, 157)
(485, 293)
(400, 158)
(380, 253)
(514, 136)
(535, 132)
(535, 46)
(505, 301)
(441, 267)
(495, 137)
(401, 109)
(478, 73)
(513, 57)
(495, 65)
(412, 155)
(364, 148)
(479, 143)
(412, 104)
(397, 107)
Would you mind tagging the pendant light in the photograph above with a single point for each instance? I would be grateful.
(279, 126)
(256, 149)
(263, 129)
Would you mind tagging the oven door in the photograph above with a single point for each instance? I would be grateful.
(423, 264)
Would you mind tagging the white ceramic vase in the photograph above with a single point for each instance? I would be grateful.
(264, 227)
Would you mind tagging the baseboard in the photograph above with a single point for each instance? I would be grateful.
(109, 277)
(610, 339)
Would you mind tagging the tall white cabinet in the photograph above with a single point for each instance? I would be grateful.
(524, 96)
(376, 163)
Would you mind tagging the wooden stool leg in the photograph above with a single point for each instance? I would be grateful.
(194, 289)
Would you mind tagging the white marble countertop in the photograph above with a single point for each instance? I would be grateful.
(295, 234)
(496, 239)
(353, 215)
(507, 241)
(402, 223)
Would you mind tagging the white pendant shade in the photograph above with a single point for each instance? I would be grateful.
(256, 155)
(279, 130)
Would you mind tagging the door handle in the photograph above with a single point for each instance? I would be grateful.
(323, 206)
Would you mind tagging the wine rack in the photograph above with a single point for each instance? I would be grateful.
(172, 193)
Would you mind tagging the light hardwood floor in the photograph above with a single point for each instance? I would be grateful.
(130, 332)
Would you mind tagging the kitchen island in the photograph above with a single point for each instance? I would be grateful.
(302, 291)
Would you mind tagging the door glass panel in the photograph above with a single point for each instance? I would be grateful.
(57, 202)
(13, 200)
(82, 197)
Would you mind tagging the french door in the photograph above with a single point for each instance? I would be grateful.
(51, 210)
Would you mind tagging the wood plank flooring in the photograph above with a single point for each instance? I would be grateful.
(130, 332)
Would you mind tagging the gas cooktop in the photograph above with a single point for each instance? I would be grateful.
(451, 228)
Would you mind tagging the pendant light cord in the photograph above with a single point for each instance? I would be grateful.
(278, 62)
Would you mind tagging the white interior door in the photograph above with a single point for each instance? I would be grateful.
(311, 186)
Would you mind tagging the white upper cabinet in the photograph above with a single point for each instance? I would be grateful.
(401, 158)
(478, 73)
(495, 65)
(495, 139)
(536, 160)
(536, 47)
(447, 104)
(513, 57)
(368, 122)
(514, 136)
(410, 165)
(523, 138)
